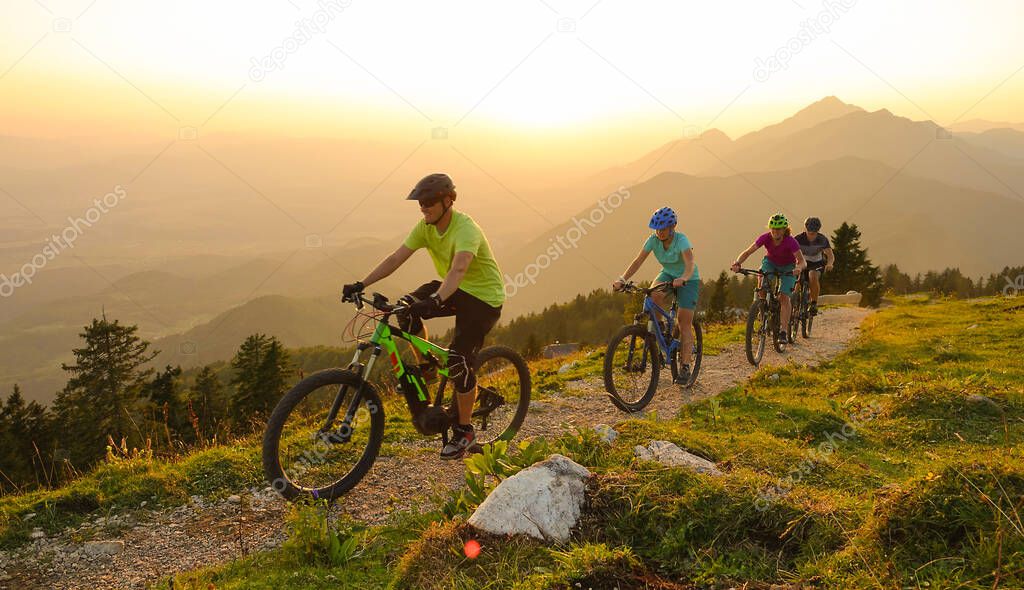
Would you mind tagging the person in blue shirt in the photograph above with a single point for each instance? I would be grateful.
(674, 252)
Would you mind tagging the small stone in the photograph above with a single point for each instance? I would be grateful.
(973, 326)
(100, 520)
(670, 455)
(566, 368)
(774, 377)
(537, 406)
(29, 516)
(235, 499)
(102, 548)
(37, 534)
(607, 433)
(143, 504)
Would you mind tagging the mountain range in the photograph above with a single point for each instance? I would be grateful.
(924, 197)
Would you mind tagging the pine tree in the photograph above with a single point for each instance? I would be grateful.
(105, 382)
(166, 410)
(532, 348)
(208, 401)
(852, 270)
(261, 369)
(719, 298)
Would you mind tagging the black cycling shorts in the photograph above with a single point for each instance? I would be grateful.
(474, 319)
(818, 265)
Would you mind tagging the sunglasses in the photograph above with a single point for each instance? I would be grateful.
(425, 203)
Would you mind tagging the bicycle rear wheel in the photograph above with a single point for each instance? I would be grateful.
(632, 365)
(301, 458)
(503, 394)
(808, 322)
(696, 358)
(757, 331)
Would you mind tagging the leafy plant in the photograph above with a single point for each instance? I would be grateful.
(312, 538)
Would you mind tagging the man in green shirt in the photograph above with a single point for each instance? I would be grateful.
(472, 290)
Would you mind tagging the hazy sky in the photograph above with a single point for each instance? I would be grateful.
(587, 75)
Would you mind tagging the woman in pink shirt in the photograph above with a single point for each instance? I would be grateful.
(782, 255)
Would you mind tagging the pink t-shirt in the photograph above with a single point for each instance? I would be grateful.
(781, 254)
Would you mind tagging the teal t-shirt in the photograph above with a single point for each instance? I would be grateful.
(671, 259)
(483, 278)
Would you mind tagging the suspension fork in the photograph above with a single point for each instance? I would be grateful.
(353, 406)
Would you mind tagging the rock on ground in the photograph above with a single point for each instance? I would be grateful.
(670, 455)
(543, 501)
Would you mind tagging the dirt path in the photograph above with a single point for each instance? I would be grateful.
(159, 543)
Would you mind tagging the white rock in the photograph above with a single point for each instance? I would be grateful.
(670, 455)
(37, 534)
(543, 501)
(607, 433)
(100, 520)
(101, 548)
(536, 406)
(235, 499)
(774, 377)
(566, 368)
(29, 516)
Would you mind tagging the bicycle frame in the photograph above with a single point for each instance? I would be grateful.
(652, 310)
(383, 340)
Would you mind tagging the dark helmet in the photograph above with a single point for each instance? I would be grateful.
(812, 224)
(433, 185)
(663, 218)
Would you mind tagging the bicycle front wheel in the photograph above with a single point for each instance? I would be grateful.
(302, 457)
(503, 394)
(631, 368)
(757, 333)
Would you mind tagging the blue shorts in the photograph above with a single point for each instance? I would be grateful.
(686, 296)
(788, 280)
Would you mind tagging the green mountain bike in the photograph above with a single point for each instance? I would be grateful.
(325, 434)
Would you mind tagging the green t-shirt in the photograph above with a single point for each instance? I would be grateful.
(483, 279)
(671, 259)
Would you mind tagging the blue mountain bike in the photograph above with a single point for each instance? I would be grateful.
(638, 352)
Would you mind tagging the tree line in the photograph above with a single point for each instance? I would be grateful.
(113, 399)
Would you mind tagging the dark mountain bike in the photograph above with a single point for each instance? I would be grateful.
(637, 353)
(308, 450)
(802, 306)
(764, 316)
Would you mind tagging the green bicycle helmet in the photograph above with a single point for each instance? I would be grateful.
(778, 221)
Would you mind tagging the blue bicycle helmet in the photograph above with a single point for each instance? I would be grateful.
(663, 218)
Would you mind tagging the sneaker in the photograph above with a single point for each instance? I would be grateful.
(462, 439)
(814, 308)
(684, 375)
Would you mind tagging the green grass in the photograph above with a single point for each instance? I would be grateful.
(877, 469)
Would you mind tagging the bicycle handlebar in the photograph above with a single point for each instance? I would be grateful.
(632, 288)
(379, 302)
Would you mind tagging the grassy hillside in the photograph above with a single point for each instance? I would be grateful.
(923, 487)
(897, 464)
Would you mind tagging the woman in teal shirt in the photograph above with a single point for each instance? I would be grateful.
(675, 254)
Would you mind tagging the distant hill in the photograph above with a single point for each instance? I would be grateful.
(1008, 141)
(915, 222)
